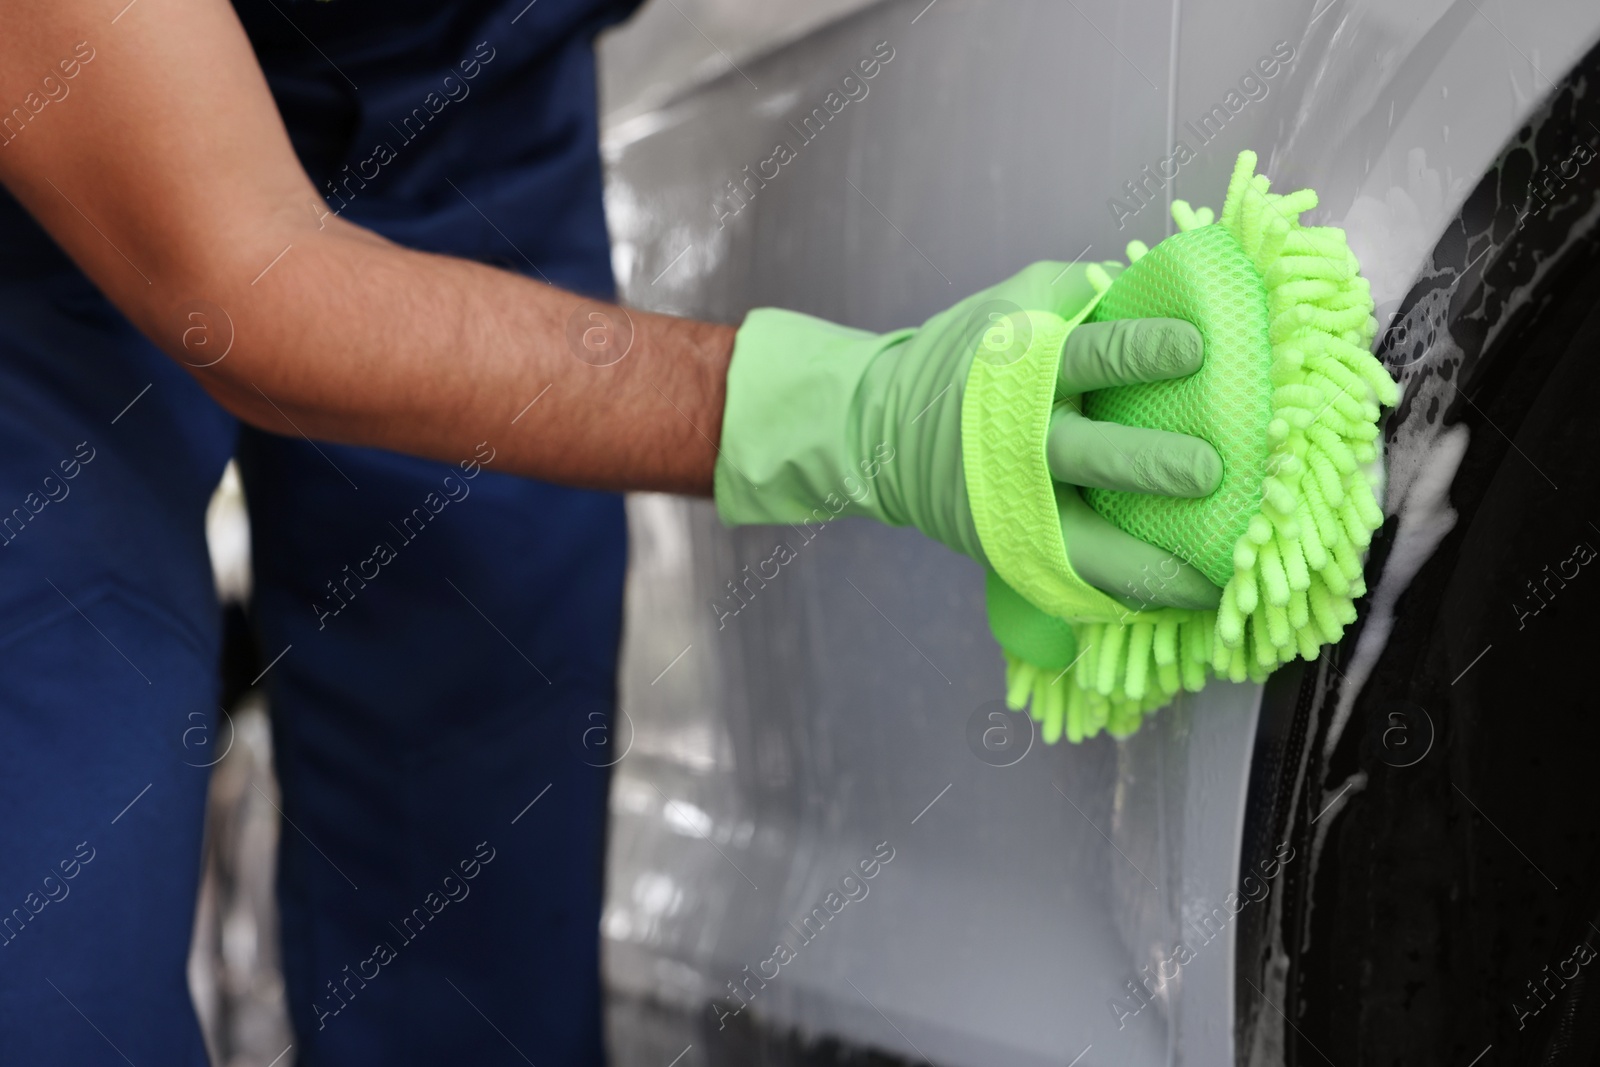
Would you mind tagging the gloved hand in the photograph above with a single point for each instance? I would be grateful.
(822, 421)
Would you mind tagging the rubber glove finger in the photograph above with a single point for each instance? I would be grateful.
(1109, 455)
(1126, 351)
(1137, 573)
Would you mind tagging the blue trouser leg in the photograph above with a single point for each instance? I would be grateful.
(108, 681)
(448, 638)
(99, 895)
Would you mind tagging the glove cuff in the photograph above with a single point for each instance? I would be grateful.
(787, 422)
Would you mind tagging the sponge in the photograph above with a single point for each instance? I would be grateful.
(1290, 396)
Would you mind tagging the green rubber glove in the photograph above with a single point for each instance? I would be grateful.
(823, 421)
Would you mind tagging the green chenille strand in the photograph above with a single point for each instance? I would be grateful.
(1296, 552)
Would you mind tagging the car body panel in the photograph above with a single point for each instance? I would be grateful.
(766, 751)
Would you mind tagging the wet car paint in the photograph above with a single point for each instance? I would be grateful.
(772, 748)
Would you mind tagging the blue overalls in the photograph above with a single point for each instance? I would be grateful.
(420, 700)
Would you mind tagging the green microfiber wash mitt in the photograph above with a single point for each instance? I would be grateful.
(1289, 395)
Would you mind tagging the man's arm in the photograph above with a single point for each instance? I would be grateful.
(166, 174)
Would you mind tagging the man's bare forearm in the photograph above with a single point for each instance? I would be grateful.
(356, 340)
(170, 180)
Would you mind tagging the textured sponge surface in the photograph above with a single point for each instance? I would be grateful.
(1290, 395)
(1205, 277)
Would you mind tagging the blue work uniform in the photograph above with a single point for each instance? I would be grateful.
(436, 632)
